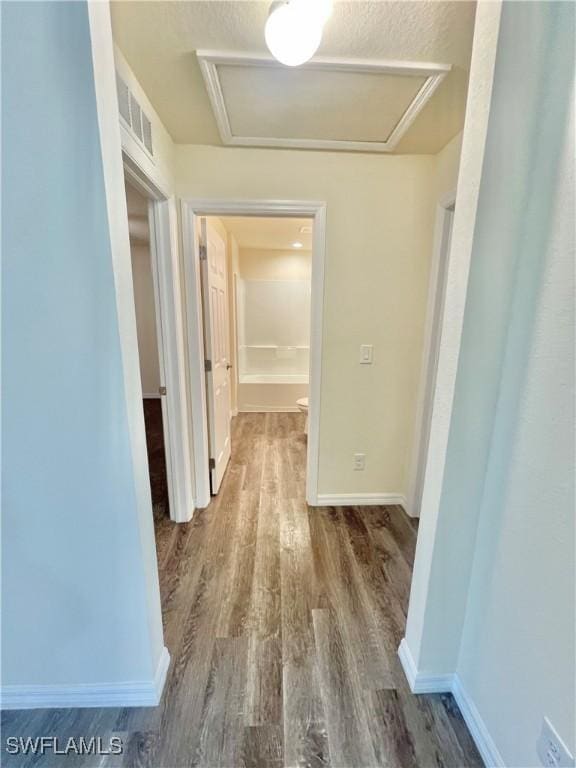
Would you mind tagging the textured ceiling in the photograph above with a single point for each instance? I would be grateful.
(159, 40)
(268, 233)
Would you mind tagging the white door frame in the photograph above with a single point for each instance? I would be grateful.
(432, 330)
(171, 345)
(191, 210)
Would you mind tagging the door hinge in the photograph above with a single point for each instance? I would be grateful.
(161, 390)
(212, 464)
(207, 365)
(203, 253)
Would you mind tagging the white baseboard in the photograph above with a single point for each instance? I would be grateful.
(422, 682)
(359, 499)
(151, 396)
(130, 694)
(477, 727)
(268, 409)
(161, 674)
(409, 509)
(425, 682)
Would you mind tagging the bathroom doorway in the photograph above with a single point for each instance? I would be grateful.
(270, 278)
(255, 337)
(256, 279)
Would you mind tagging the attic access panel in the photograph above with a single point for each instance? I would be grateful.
(324, 104)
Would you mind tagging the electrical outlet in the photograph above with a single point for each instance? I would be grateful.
(552, 751)
(359, 462)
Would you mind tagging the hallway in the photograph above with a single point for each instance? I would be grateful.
(282, 623)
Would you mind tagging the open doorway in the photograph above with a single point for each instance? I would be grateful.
(160, 344)
(254, 280)
(150, 356)
(271, 274)
(256, 300)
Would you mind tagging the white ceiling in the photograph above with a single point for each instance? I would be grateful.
(269, 233)
(159, 40)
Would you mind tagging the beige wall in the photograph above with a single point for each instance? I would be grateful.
(379, 235)
(447, 163)
(260, 264)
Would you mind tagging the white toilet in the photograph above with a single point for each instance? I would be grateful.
(302, 404)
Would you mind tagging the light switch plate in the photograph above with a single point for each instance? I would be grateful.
(359, 462)
(366, 354)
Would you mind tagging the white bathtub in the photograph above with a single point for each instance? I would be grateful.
(272, 378)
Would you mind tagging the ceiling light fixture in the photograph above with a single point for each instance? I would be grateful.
(294, 29)
(297, 244)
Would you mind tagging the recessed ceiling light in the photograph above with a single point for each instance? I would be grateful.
(297, 244)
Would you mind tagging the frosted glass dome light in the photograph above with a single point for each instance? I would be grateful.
(321, 10)
(292, 32)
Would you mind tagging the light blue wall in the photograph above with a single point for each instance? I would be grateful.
(518, 652)
(501, 604)
(73, 589)
(526, 129)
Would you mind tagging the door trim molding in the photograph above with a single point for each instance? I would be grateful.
(162, 217)
(436, 285)
(193, 208)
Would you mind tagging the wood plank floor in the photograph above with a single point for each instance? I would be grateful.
(283, 624)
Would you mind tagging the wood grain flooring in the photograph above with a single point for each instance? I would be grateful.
(283, 624)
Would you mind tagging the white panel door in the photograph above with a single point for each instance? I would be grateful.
(216, 345)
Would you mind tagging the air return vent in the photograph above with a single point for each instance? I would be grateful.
(136, 114)
(147, 133)
(123, 99)
(132, 115)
